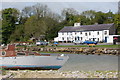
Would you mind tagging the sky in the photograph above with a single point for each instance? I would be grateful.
(57, 7)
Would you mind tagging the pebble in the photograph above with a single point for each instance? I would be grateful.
(65, 74)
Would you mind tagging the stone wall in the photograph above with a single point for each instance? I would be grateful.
(78, 50)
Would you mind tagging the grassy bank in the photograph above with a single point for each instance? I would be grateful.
(105, 46)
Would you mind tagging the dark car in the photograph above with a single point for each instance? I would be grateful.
(90, 42)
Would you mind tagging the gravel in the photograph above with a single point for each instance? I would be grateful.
(59, 74)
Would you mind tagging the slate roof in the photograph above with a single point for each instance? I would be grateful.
(95, 27)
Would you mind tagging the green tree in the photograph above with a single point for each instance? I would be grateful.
(100, 17)
(34, 27)
(109, 17)
(117, 23)
(70, 16)
(18, 34)
(0, 31)
(9, 19)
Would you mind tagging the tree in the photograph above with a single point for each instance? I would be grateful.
(18, 34)
(89, 14)
(0, 31)
(40, 10)
(9, 19)
(70, 16)
(109, 17)
(117, 23)
(100, 17)
(27, 11)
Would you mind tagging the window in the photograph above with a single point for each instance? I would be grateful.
(85, 34)
(3, 53)
(105, 32)
(81, 38)
(63, 38)
(71, 33)
(67, 33)
(89, 33)
(80, 32)
(67, 39)
(98, 39)
(75, 33)
(97, 33)
(78, 38)
(62, 33)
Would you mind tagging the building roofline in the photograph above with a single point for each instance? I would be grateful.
(95, 27)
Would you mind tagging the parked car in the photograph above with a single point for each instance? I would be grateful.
(90, 42)
(78, 42)
(55, 43)
(41, 43)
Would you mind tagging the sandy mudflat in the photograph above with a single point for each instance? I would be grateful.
(59, 74)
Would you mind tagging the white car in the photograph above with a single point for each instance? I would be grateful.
(78, 42)
(41, 43)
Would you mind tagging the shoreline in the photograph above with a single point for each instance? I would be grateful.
(59, 74)
(74, 50)
(74, 53)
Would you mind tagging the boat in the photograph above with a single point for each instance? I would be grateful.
(10, 58)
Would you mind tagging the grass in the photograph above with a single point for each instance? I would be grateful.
(3, 71)
(105, 46)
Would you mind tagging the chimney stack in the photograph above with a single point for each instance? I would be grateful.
(76, 24)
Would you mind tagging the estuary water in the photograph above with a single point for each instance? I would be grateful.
(79, 62)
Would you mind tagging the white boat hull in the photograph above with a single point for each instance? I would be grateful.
(33, 62)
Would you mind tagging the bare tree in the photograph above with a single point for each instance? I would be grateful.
(27, 11)
(40, 10)
(89, 14)
(69, 11)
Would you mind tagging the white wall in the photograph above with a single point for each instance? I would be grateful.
(110, 39)
(70, 36)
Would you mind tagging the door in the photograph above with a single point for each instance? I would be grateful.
(93, 39)
(105, 39)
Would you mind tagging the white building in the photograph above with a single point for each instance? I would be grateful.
(96, 32)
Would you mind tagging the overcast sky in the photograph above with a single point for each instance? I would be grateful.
(59, 6)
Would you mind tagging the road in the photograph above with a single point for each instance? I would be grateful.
(81, 44)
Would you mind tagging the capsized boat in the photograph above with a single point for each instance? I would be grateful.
(12, 59)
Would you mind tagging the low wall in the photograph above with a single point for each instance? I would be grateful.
(78, 50)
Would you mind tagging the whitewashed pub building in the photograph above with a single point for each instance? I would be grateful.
(96, 32)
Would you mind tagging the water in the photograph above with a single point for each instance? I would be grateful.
(91, 62)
